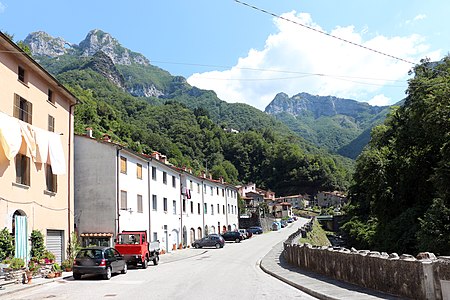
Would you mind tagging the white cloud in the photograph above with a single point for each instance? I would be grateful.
(380, 100)
(420, 17)
(2, 7)
(317, 64)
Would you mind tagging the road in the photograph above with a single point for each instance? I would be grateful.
(229, 273)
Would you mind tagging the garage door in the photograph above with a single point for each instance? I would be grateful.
(55, 243)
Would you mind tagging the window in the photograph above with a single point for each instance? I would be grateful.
(154, 202)
(50, 96)
(174, 181)
(123, 165)
(23, 110)
(50, 179)
(217, 191)
(191, 187)
(198, 188)
(228, 208)
(223, 208)
(184, 205)
(51, 123)
(154, 173)
(218, 208)
(212, 209)
(139, 171)
(198, 208)
(123, 200)
(22, 169)
(192, 207)
(164, 177)
(165, 204)
(205, 208)
(155, 236)
(204, 188)
(139, 204)
(21, 74)
(174, 202)
(211, 190)
(232, 209)
(223, 193)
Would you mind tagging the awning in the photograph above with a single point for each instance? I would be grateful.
(96, 234)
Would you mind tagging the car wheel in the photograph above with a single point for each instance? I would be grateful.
(125, 269)
(156, 260)
(76, 276)
(145, 264)
(217, 246)
(237, 240)
(108, 274)
(197, 246)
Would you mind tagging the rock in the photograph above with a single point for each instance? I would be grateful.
(41, 43)
(393, 256)
(426, 255)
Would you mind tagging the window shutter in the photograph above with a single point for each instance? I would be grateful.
(16, 106)
(30, 112)
(55, 183)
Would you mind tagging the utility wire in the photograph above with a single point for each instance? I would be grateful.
(325, 33)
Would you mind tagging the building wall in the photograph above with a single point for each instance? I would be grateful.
(95, 186)
(44, 210)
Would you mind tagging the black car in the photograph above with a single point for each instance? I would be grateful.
(98, 260)
(255, 230)
(212, 240)
(233, 236)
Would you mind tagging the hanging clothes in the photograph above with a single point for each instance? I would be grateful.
(41, 138)
(10, 135)
(56, 154)
(28, 137)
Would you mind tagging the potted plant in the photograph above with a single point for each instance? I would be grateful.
(16, 269)
(47, 257)
(56, 268)
(32, 269)
(66, 265)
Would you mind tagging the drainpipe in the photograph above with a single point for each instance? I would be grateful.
(181, 212)
(69, 170)
(149, 206)
(118, 189)
(226, 206)
(203, 208)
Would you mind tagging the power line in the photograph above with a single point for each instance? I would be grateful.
(325, 33)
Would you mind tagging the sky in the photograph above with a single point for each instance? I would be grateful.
(353, 49)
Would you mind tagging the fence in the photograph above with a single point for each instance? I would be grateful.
(427, 277)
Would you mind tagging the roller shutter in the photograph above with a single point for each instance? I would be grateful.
(55, 243)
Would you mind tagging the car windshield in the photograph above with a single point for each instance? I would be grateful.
(129, 239)
(90, 253)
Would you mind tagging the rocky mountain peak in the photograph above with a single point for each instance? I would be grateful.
(41, 43)
(97, 40)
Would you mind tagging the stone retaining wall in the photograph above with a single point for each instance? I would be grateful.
(405, 276)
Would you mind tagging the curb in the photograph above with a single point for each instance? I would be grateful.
(29, 286)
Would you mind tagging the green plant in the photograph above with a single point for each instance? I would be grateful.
(16, 263)
(66, 264)
(33, 266)
(73, 247)
(37, 244)
(48, 256)
(56, 267)
(6, 244)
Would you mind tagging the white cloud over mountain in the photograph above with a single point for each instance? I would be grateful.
(296, 59)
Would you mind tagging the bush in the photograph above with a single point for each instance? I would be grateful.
(37, 244)
(16, 263)
(66, 264)
(6, 244)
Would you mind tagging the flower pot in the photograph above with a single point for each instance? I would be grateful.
(51, 275)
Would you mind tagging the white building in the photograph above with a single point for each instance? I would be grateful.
(117, 189)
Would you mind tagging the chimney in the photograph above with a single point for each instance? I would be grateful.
(155, 155)
(203, 174)
(210, 176)
(190, 170)
(106, 138)
(163, 159)
(221, 180)
(89, 132)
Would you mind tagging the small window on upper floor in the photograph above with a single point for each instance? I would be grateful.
(22, 169)
(23, 110)
(154, 173)
(21, 74)
(123, 165)
(50, 97)
(174, 181)
(164, 177)
(51, 180)
(51, 123)
(139, 171)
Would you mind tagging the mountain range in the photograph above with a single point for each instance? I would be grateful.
(146, 108)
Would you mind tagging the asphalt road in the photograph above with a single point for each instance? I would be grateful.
(229, 273)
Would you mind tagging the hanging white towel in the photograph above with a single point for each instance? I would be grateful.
(28, 136)
(41, 137)
(56, 154)
(10, 135)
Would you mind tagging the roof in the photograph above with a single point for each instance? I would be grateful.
(32, 64)
(96, 234)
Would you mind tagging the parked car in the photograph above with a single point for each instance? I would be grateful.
(234, 236)
(255, 229)
(290, 220)
(245, 233)
(284, 223)
(212, 240)
(276, 226)
(99, 260)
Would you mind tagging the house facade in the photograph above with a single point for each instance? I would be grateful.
(117, 189)
(36, 152)
(327, 199)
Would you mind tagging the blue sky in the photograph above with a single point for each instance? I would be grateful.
(249, 56)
